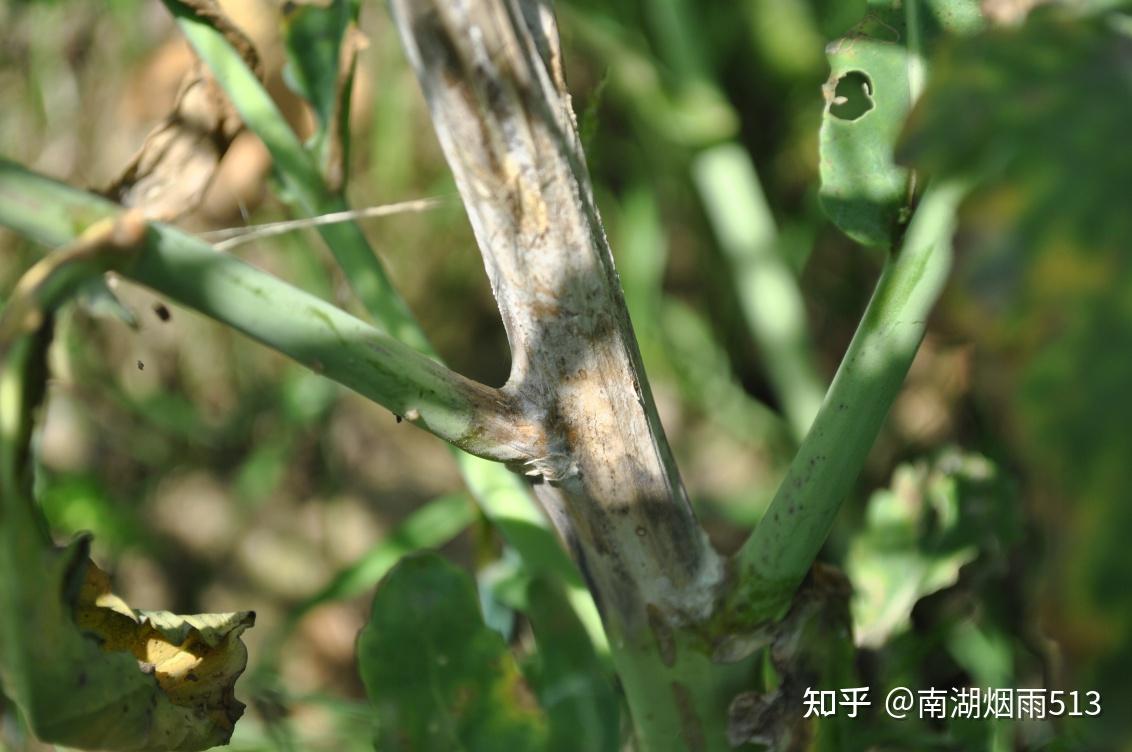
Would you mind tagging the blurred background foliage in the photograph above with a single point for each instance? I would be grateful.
(218, 476)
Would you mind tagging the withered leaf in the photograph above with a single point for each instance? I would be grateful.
(169, 174)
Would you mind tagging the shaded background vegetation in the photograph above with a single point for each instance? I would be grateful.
(218, 476)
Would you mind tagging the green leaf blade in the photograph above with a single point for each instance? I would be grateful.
(439, 678)
(876, 73)
(866, 100)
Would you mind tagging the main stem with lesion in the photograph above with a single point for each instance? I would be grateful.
(576, 414)
(492, 76)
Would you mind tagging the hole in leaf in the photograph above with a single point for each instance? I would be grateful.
(853, 96)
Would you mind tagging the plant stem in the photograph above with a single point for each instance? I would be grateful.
(469, 415)
(777, 556)
(767, 288)
(491, 73)
(499, 493)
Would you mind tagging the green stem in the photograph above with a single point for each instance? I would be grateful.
(767, 288)
(302, 326)
(777, 556)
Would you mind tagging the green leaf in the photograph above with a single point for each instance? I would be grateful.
(1041, 110)
(438, 678)
(874, 72)
(572, 682)
(934, 519)
(322, 41)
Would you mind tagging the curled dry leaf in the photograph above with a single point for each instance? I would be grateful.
(91, 673)
(169, 174)
(194, 659)
(812, 646)
(334, 167)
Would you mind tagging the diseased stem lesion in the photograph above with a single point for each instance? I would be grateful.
(576, 415)
(492, 76)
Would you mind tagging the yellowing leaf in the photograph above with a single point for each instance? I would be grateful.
(89, 672)
(83, 667)
(195, 659)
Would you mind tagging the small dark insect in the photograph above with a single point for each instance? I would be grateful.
(162, 311)
(141, 366)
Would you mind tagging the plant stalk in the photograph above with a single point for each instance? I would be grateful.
(499, 493)
(779, 553)
(491, 74)
(476, 418)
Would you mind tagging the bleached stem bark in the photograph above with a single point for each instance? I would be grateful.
(491, 72)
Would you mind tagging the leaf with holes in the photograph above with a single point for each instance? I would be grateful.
(867, 98)
(436, 675)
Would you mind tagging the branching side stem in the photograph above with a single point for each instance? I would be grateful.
(777, 556)
(476, 418)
